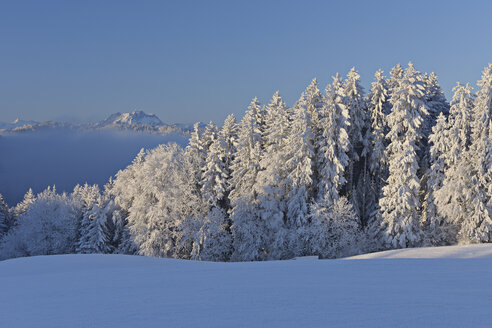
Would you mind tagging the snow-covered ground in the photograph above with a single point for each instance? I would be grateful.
(131, 291)
(451, 252)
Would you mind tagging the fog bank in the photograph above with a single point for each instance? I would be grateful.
(64, 159)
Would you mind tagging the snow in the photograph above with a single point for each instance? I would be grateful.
(131, 291)
(449, 252)
(135, 117)
(15, 124)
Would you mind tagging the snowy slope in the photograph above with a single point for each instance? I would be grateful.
(126, 291)
(465, 251)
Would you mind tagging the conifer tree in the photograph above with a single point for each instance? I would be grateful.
(87, 196)
(4, 217)
(246, 223)
(299, 162)
(460, 118)
(312, 99)
(217, 167)
(358, 182)
(400, 203)
(49, 226)
(396, 74)
(94, 234)
(436, 229)
(452, 199)
(24, 205)
(436, 101)
(378, 106)
(196, 155)
(299, 165)
(272, 185)
(213, 240)
(334, 145)
(477, 226)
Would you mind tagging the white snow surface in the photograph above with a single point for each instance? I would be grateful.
(451, 252)
(133, 291)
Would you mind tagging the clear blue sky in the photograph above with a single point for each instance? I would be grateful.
(199, 60)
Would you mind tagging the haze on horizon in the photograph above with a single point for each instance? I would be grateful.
(199, 61)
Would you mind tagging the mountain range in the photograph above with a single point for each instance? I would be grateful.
(134, 121)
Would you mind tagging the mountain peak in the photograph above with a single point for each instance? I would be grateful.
(137, 117)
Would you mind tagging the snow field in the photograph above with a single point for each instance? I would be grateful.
(132, 291)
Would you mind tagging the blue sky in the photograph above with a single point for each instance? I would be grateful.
(201, 60)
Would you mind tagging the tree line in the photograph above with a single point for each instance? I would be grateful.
(338, 173)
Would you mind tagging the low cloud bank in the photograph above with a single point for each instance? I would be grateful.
(64, 159)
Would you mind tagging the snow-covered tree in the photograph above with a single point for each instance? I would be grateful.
(87, 196)
(160, 202)
(4, 217)
(246, 223)
(299, 166)
(196, 155)
(452, 199)
(354, 101)
(334, 145)
(49, 226)
(213, 239)
(436, 101)
(436, 227)
(198, 148)
(460, 121)
(400, 203)
(217, 167)
(94, 234)
(121, 193)
(477, 225)
(312, 100)
(299, 162)
(272, 185)
(334, 230)
(358, 180)
(96, 238)
(379, 108)
(24, 205)
(396, 74)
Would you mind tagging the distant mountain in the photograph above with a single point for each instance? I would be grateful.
(15, 124)
(133, 118)
(134, 121)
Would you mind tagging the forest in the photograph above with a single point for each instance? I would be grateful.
(341, 172)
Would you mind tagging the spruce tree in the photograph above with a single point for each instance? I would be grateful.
(400, 203)
(299, 162)
(4, 217)
(358, 182)
(246, 224)
(396, 74)
(379, 107)
(334, 145)
(436, 227)
(272, 185)
(24, 205)
(477, 226)
(452, 199)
